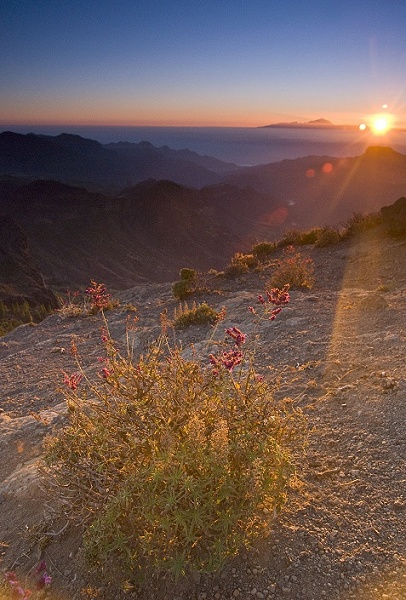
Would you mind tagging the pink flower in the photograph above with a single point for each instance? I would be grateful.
(238, 337)
(279, 297)
(275, 312)
(17, 591)
(105, 372)
(98, 295)
(44, 580)
(72, 381)
(11, 577)
(41, 567)
(228, 360)
(231, 359)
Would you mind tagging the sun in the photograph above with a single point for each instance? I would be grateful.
(381, 124)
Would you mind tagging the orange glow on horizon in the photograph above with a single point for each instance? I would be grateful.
(83, 114)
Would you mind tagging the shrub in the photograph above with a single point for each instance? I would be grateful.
(199, 314)
(293, 269)
(172, 464)
(263, 250)
(186, 285)
(309, 237)
(95, 299)
(187, 274)
(240, 264)
(300, 238)
(182, 289)
(18, 313)
(328, 236)
(360, 223)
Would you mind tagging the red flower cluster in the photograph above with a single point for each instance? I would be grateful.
(17, 590)
(105, 373)
(99, 297)
(238, 337)
(72, 381)
(228, 360)
(231, 358)
(277, 297)
(44, 578)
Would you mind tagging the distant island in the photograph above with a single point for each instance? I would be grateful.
(316, 124)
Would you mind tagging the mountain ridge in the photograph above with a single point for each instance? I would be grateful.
(147, 231)
(76, 160)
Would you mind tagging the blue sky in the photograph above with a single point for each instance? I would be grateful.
(203, 62)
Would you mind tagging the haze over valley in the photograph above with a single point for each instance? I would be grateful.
(125, 213)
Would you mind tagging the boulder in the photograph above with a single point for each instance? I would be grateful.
(394, 217)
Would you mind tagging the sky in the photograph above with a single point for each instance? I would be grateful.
(239, 63)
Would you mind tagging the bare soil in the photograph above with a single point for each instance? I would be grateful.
(339, 350)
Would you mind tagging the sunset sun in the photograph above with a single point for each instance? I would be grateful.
(381, 124)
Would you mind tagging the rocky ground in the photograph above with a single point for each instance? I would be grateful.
(340, 352)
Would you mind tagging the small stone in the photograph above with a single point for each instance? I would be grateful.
(236, 593)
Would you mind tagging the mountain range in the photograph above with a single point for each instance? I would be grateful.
(127, 213)
(79, 161)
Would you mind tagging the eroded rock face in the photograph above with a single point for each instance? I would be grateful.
(394, 217)
(20, 279)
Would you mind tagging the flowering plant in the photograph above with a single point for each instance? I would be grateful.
(293, 269)
(173, 464)
(17, 590)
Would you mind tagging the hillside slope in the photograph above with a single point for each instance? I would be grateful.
(322, 190)
(338, 350)
(146, 233)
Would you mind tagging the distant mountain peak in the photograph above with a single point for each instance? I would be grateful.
(303, 124)
(320, 122)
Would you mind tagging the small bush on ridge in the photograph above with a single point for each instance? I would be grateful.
(294, 269)
(95, 299)
(263, 250)
(187, 274)
(182, 289)
(199, 314)
(240, 264)
(360, 223)
(299, 238)
(186, 285)
(15, 314)
(328, 236)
